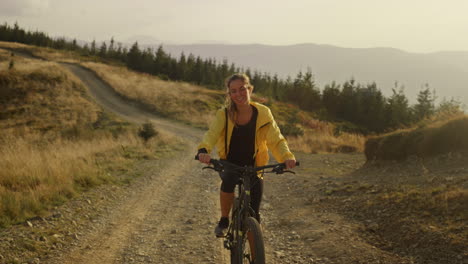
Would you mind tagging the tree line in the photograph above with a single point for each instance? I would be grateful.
(363, 105)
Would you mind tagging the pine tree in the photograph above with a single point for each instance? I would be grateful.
(93, 49)
(161, 62)
(398, 112)
(331, 99)
(182, 67)
(103, 50)
(74, 45)
(425, 106)
(450, 107)
(85, 50)
(371, 111)
(134, 57)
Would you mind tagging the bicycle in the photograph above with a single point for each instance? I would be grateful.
(244, 225)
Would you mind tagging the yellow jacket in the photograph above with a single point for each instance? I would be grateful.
(267, 136)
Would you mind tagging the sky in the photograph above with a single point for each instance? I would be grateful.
(420, 26)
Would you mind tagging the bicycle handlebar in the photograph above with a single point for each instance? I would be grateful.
(220, 165)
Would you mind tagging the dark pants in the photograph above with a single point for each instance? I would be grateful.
(229, 181)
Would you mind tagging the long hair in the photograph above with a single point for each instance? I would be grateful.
(230, 105)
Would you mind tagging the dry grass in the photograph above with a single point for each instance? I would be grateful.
(178, 100)
(4, 56)
(34, 178)
(196, 105)
(55, 142)
(45, 53)
(59, 55)
(14, 45)
(181, 101)
(40, 96)
(431, 137)
(318, 136)
(320, 142)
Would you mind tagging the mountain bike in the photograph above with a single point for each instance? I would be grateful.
(244, 226)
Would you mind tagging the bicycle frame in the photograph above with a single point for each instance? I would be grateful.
(240, 211)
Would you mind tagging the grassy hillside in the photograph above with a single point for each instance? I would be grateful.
(181, 100)
(177, 100)
(55, 142)
(432, 137)
(196, 105)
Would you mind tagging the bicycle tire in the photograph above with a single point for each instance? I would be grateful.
(242, 253)
(235, 233)
(234, 255)
(236, 249)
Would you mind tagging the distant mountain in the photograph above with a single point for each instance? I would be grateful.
(455, 58)
(141, 39)
(446, 72)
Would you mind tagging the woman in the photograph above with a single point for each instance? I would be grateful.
(243, 131)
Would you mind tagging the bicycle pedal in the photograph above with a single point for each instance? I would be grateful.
(227, 244)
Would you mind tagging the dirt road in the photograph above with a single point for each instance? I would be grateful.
(168, 214)
(170, 219)
(167, 219)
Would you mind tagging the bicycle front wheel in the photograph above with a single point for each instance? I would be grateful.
(254, 248)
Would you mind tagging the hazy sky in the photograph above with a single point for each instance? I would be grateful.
(410, 25)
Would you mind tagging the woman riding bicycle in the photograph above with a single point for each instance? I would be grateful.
(243, 131)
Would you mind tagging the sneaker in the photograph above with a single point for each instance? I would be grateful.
(220, 230)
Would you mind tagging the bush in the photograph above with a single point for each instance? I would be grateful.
(291, 130)
(348, 127)
(147, 131)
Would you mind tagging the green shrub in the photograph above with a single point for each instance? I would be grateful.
(147, 131)
(348, 127)
(291, 130)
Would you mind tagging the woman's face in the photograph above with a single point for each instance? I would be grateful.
(240, 95)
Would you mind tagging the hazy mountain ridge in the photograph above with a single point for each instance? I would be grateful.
(456, 58)
(446, 72)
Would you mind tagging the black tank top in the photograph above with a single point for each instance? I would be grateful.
(242, 145)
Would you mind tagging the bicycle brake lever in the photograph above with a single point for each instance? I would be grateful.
(208, 167)
(278, 170)
(288, 171)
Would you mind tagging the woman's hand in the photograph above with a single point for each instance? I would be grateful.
(290, 163)
(204, 158)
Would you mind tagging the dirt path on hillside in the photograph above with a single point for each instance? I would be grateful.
(170, 219)
(168, 214)
(105, 95)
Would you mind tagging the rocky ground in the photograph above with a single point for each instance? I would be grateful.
(168, 213)
(338, 209)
